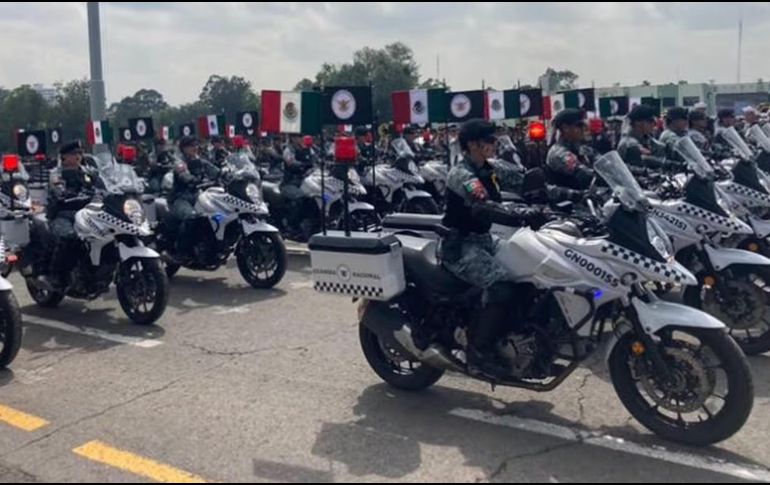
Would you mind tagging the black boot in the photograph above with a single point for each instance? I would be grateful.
(58, 268)
(485, 327)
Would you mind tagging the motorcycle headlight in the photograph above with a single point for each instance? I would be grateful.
(20, 192)
(134, 211)
(660, 241)
(253, 193)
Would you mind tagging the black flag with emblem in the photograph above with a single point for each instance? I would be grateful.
(531, 103)
(31, 143)
(55, 136)
(613, 106)
(141, 128)
(246, 123)
(347, 105)
(188, 129)
(464, 105)
(126, 134)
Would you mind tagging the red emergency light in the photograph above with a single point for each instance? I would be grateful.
(345, 149)
(537, 131)
(11, 163)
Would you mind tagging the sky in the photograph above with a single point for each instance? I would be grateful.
(174, 47)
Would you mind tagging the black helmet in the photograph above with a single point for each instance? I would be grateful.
(569, 116)
(476, 130)
(71, 147)
(641, 112)
(725, 113)
(676, 113)
(187, 141)
(697, 115)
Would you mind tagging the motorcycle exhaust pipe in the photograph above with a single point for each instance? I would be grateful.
(388, 324)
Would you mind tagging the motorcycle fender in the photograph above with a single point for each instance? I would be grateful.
(139, 251)
(722, 258)
(260, 226)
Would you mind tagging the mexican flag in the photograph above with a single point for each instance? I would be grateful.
(230, 131)
(211, 125)
(291, 112)
(98, 132)
(501, 105)
(418, 106)
(165, 133)
(555, 105)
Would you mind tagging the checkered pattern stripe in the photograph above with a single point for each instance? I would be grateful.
(344, 289)
(695, 211)
(643, 262)
(747, 192)
(128, 227)
(236, 202)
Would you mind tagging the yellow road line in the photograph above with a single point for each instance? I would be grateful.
(21, 420)
(123, 460)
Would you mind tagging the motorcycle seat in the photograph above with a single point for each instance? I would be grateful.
(423, 267)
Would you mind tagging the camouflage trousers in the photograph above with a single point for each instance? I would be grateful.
(472, 259)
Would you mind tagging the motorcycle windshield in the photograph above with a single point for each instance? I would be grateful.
(19, 174)
(119, 178)
(731, 136)
(694, 158)
(401, 147)
(760, 138)
(615, 172)
(455, 152)
(505, 143)
(242, 166)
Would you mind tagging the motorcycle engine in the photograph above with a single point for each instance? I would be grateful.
(521, 351)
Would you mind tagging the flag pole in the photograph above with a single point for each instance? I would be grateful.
(374, 141)
(446, 129)
(323, 165)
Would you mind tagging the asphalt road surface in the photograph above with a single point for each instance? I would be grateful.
(241, 385)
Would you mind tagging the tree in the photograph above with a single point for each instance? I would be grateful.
(228, 96)
(71, 108)
(179, 115)
(305, 85)
(22, 108)
(145, 102)
(392, 68)
(554, 81)
(431, 83)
